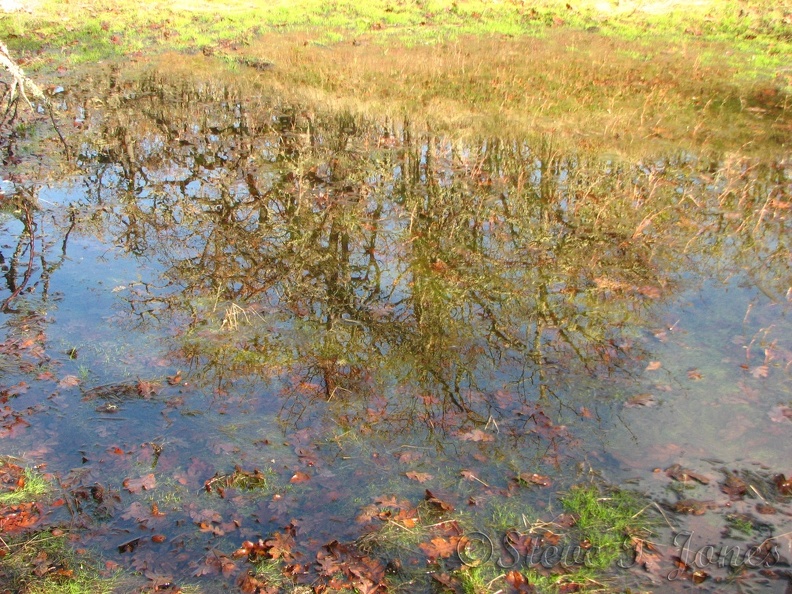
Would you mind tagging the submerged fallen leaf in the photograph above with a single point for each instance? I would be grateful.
(12, 477)
(476, 435)
(145, 389)
(440, 548)
(518, 582)
(654, 365)
(649, 291)
(438, 503)
(19, 517)
(684, 475)
(16, 390)
(641, 400)
(694, 374)
(421, 477)
(69, 381)
(144, 483)
(781, 414)
(299, 477)
(408, 456)
(760, 371)
(446, 580)
(148, 516)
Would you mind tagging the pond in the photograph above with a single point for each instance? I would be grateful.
(244, 336)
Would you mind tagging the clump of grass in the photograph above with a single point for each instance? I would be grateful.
(478, 580)
(272, 573)
(741, 523)
(259, 480)
(33, 487)
(41, 563)
(605, 523)
(395, 538)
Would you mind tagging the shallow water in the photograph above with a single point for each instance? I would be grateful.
(364, 312)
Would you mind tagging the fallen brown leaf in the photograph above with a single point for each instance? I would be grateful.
(421, 477)
(69, 381)
(476, 435)
(299, 477)
(641, 400)
(144, 483)
(760, 371)
(684, 475)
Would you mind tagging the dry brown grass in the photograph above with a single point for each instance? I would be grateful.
(589, 90)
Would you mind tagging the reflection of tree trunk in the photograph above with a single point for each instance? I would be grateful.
(48, 269)
(29, 232)
(258, 198)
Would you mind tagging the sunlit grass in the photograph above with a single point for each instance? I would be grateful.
(34, 487)
(40, 563)
(626, 76)
(605, 522)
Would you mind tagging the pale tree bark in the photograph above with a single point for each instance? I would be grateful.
(20, 87)
(21, 84)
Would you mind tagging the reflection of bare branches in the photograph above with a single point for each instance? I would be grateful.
(29, 232)
(430, 266)
(25, 203)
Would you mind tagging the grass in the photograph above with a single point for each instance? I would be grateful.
(41, 561)
(626, 76)
(606, 526)
(605, 523)
(40, 554)
(477, 580)
(35, 486)
(114, 28)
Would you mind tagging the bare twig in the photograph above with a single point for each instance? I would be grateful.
(21, 82)
(21, 86)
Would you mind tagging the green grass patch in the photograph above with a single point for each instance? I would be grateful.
(29, 486)
(605, 523)
(102, 29)
(41, 563)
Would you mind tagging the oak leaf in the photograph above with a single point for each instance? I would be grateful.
(144, 483)
(440, 548)
(69, 381)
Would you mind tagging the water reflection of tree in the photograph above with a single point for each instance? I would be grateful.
(36, 255)
(354, 260)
